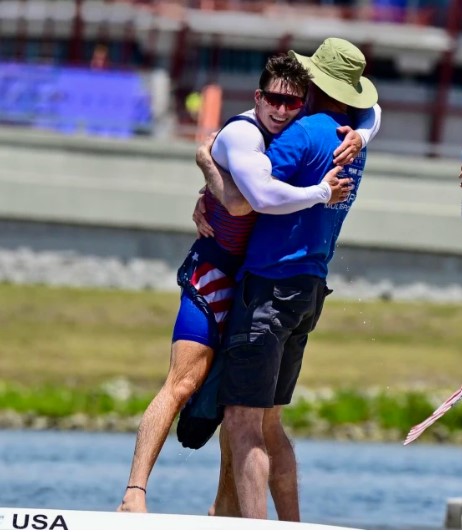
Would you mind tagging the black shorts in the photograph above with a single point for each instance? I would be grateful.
(266, 336)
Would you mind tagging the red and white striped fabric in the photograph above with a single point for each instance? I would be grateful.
(417, 430)
(217, 288)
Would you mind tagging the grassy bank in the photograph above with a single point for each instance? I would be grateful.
(63, 347)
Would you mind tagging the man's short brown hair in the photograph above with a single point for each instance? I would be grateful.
(289, 70)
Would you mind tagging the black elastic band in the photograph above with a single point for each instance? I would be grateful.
(136, 488)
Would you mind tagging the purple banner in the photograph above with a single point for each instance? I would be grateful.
(74, 100)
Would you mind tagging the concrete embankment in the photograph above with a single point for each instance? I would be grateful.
(320, 429)
(123, 207)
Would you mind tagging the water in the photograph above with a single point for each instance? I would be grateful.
(367, 485)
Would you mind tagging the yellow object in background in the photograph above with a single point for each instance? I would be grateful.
(193, 104)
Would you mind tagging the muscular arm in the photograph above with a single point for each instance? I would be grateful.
(240, 148)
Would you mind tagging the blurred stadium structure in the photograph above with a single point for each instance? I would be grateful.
(143, 69)
(165, 50)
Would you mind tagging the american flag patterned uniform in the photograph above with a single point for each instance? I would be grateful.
(231, 232)
(214, 283)
(216, 288)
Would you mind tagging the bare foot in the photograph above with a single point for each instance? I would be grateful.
(225, 507)
(133, 502)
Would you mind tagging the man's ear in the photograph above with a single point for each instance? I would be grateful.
(258, 96)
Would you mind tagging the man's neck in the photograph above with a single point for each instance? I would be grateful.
(330, 106)
(338, 107)
(321, 102)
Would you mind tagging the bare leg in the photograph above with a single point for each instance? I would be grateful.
(282, 477)
(189, 364)
(226, 501)
(283, 470)
(250, 459)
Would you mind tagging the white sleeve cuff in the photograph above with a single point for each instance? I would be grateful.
(326, 191)
(362, 134)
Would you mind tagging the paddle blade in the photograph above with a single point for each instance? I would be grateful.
(417, 430)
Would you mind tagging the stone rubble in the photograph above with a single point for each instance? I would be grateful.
(24, 266)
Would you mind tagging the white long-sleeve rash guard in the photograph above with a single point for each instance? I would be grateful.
(368, 123)
(240, 149)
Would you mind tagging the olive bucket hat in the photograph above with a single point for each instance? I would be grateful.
(336, 68)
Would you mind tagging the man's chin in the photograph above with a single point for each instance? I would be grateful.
(275, 129)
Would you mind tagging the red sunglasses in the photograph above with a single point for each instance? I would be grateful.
(291, 102)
